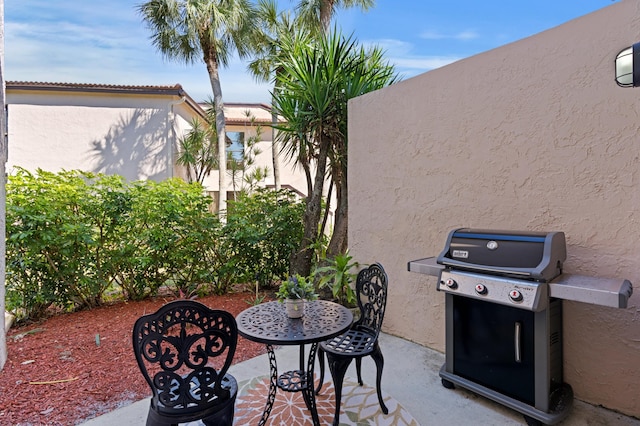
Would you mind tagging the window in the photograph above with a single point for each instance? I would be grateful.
(235, 146)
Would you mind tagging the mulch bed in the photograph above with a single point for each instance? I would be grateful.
(72, 367)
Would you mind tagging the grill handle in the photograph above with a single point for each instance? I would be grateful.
(473, 267)
(516, 341)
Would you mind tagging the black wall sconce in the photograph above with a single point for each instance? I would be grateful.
(628, 66)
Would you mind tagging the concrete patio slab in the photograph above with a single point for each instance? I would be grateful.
(411, 377)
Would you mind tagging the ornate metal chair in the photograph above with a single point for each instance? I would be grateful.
(184, 351)
(361, 339)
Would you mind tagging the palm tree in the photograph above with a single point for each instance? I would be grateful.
(319, 12)
(277, 24)
(196, 153)
(274, 26)
(197, 149)
(317, 80)
(207, 30)
(277, 28)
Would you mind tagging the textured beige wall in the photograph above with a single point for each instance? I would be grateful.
(534, 135)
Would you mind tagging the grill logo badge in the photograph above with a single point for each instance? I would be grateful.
(461, 254)
(492, 245)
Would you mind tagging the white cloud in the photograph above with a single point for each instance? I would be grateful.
(423, 63)
(462, 36)
(391, 46)
(467, 35)
(403, 55)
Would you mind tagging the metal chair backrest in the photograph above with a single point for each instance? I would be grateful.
(371, 293)
(183, 351)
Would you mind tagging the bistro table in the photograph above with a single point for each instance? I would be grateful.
(268, 323)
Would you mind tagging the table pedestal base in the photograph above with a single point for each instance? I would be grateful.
(268, 323)
(293, 381)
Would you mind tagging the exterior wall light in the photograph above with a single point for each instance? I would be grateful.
(628, 66)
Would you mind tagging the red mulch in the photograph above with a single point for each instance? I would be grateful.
(57, 374)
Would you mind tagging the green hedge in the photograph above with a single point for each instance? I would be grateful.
(262, 232)
(72, 236)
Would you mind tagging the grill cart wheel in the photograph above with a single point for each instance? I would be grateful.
(532, 422)
(447, 384)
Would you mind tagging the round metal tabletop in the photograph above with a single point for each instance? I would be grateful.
(268, 323)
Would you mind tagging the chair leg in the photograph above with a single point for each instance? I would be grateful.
(224, 417)
(359, 370)
(321, 362)
(156, 419)
(338, 366)
(379, 360)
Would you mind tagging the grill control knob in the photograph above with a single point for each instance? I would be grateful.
(481, 289)
(515, 295)
(451, 283)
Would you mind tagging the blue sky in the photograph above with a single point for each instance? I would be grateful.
(89, 41)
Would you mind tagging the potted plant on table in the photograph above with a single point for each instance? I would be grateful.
(293, 292)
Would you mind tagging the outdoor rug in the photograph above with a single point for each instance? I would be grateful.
(359, 406)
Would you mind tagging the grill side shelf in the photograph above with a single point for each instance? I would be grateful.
(609, 292)
(427, 266)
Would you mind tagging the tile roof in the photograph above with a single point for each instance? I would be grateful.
(234, 112)
(175, 90)
(89, 87)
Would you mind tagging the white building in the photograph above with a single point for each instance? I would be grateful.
(133, 131)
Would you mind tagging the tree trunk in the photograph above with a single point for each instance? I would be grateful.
(327, 208)
(212, 68)
(301, 260)
(326, 11)
(339, 242)
(275, 151)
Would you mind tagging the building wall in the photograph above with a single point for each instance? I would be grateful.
(114, 134)
(238, 120)
(291, 176)
(534, 135)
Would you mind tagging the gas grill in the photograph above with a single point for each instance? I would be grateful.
(503, 307)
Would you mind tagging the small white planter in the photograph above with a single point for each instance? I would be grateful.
(294, 307)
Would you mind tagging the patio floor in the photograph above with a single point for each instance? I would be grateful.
(411, 378)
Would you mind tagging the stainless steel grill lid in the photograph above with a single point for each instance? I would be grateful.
(527, 255)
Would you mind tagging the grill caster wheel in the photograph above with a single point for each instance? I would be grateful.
(532, 422)
(447, 384)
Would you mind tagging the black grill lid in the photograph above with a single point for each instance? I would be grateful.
(528, 255)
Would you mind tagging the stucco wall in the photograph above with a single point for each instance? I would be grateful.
(131, 136)
(534, 135)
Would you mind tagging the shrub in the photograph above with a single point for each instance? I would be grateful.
(165, 239)
(72, 235)
(262, 231)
